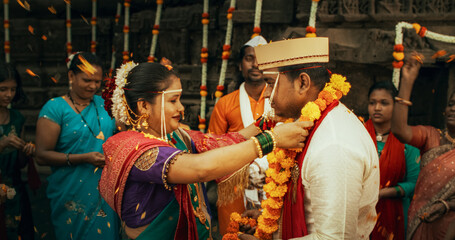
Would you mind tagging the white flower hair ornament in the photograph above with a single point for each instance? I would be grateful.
(119, 108)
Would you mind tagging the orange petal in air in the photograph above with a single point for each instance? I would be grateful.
(24, 5)
(52, 10)
(86, 67)
(85, 19)
(31, 29)
(30, 73)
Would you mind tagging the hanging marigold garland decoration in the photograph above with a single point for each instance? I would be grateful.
(281, 161)
(126, 31)
(117, 18)
(7, 46)
(311, 28)
(69, 46)
(257, 19)
(156, 30)
(204, 56)
(93, 23)
(226, 51)
(398, 48)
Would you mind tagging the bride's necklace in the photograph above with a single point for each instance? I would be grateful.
(380, 137)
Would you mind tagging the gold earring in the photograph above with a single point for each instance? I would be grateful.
(145, 124)
(183, 115)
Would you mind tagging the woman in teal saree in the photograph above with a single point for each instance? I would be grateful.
(70, 132)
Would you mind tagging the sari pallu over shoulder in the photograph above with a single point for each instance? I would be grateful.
(121, 152)
(392, 165)
(436, 181)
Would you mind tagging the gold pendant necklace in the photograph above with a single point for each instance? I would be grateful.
(100, 135)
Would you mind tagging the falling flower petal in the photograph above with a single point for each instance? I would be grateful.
(31, 29)
(99, 231)
(108, 224)
(387, 184)
(36, 230)
(85, 19)
(451, 58)
(67, 1)
(137, 206)
(143, 215)
(54, 80)
(439, 53)
(43, 235)
(44, 38)
(30, 73)
(116, 190)
(52, 10)
(86, 67)
(96, 169)
(24, 5)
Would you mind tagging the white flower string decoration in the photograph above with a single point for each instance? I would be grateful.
(119, 109)
(398, 53)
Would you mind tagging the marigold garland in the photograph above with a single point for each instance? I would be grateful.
(126, 30)
(226, 51)
(204, 57)
(69, 46)
(93, 23)
(117, 17)
(257, 19)
(155, 31)
(311, 28)
(7, 46)
(398, 48)
(282, 160)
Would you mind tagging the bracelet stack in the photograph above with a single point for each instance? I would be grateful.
(265, 142)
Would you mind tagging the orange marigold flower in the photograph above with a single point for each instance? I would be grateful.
(274, 165)
(321, 104)
(252, 222)
(230, 236)
(287, 163)
(233, 227)
(326, 96)
(339, 94)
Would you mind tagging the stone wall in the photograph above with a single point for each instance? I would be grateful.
(361, 43)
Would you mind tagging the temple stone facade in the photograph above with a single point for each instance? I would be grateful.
(361, 33)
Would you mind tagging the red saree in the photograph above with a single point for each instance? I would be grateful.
(392, 165)
(121, 152)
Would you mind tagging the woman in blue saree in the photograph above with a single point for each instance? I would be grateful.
(70, 132)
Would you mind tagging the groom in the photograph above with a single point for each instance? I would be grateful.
(337, 173)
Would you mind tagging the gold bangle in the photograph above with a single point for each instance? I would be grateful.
(258, 146)
(403, 101)
(273, 138)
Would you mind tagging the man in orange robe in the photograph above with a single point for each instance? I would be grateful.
(232, 113)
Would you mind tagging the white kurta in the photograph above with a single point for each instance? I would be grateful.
(340, 174)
